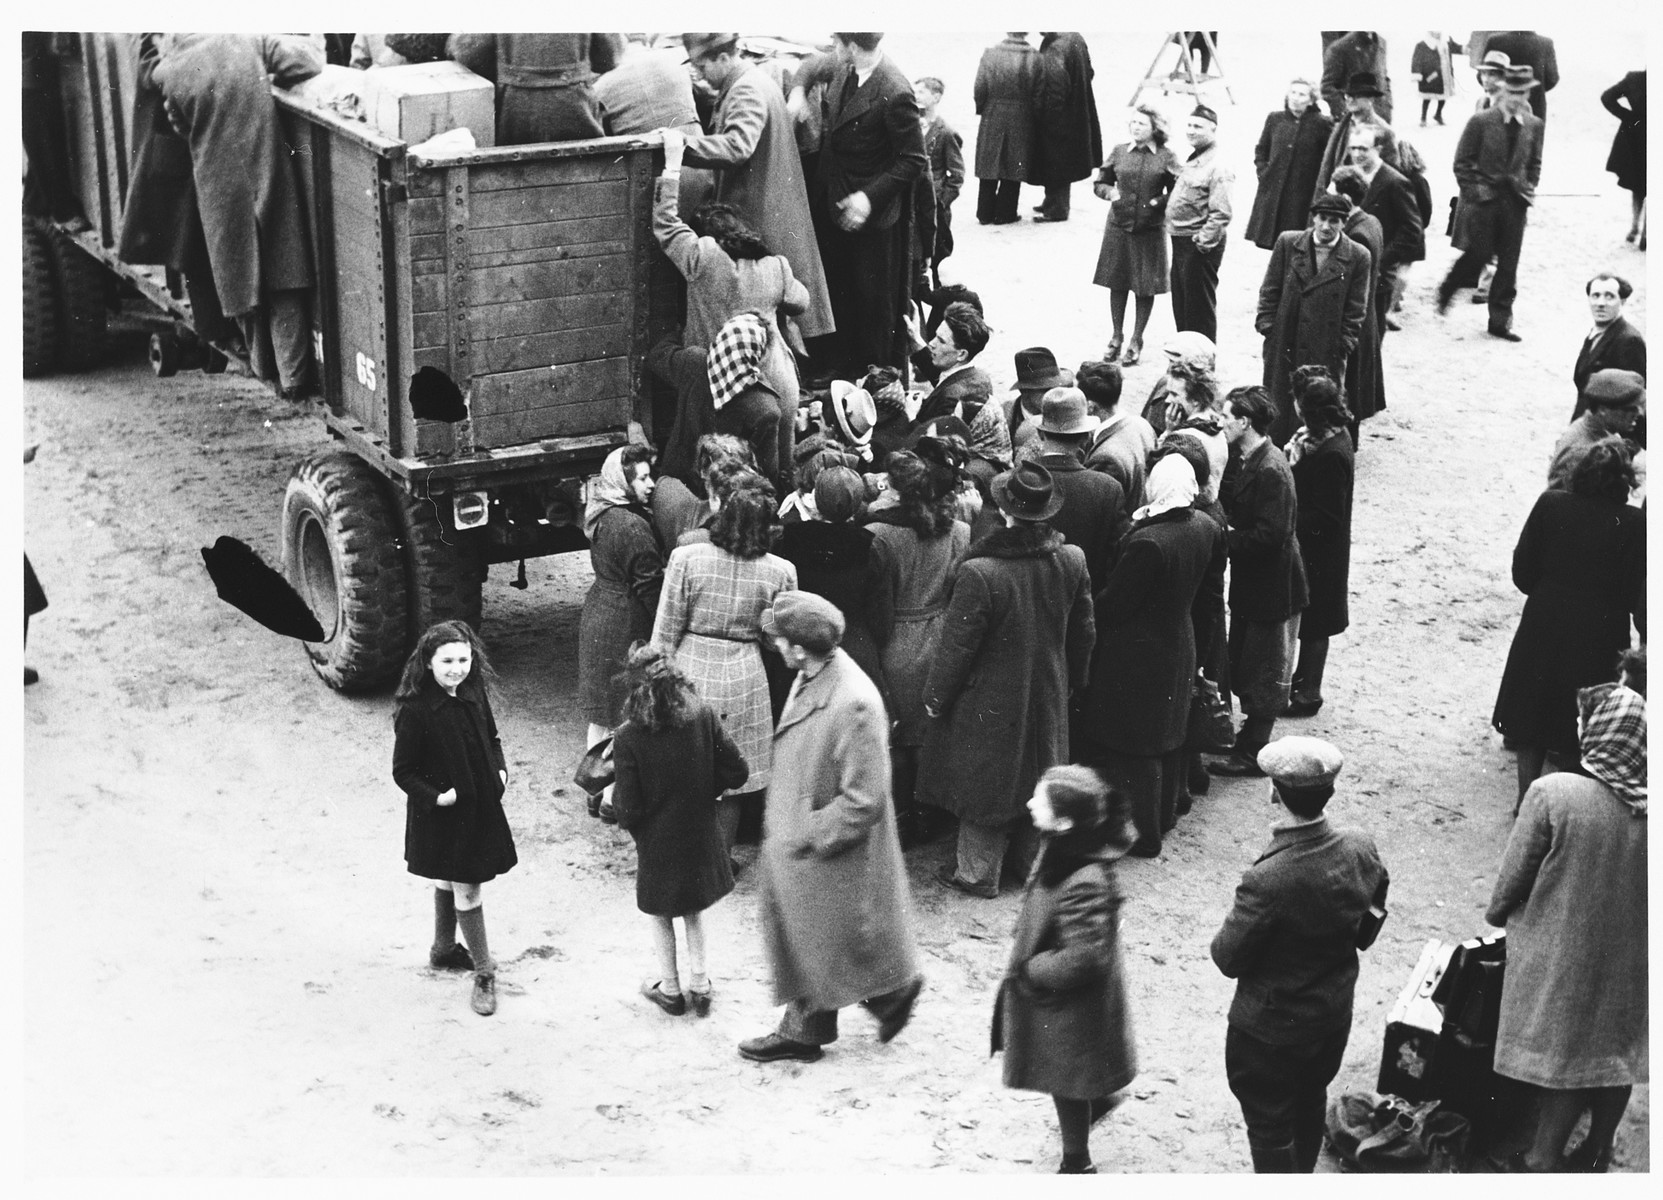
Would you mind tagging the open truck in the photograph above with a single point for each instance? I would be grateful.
(526, 274)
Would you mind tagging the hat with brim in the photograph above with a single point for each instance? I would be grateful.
(1612, 388)
(1363, 83)
(1331, 203)
(854, 410)
(1520, 79)
(1027, 493)
(1301, 762)
(1064, 411)
(1036, 370)
(804, 619)
(703, 43)
(1496, 61)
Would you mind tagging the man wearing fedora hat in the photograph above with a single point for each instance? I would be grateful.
(854, 416)
(1358, 51)
(1197, 216)
(832, 895)
(1498, 163)
(1302, 911)
(1095, 514)
(1616, 400)
(1036, 374)
(1362, 94)
(1527, 48)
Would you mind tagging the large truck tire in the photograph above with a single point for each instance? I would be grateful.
(444, 576)
(341, 552)
(83, 315)
(40, 302)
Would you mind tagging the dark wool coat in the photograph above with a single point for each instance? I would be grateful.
(544, 81)
(1061, 1015)
(1322, 480)
(832, 895)
(1069, 144)
(837, 560)
(1007, 85)
(1309, 315)
(1358, 50)
(1287, 158)
(1391, 200)
(1094, 514)
(1212, 650)
(1581, 561)
(1621, 347)
(442, 742)
(1143, 665)
(1267, 575)
(220, 83)
(668, 784)
(1290, 941)
(1016, 641)
(160, 223)
(1627, 160)
(1365, 373)
(619, 608)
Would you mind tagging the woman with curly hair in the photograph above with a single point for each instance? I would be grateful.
(918, 544)
(673, 759)
(1324, 465)
(710, 619)
(1137, 177)
(1581, 563)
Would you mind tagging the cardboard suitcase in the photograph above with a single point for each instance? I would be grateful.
(421, 100)
(1412, 1030)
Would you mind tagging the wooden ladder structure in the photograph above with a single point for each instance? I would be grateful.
(1184, 77)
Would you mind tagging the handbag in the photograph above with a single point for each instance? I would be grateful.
(1210, 724)
(1376, 1133)
(595, 770)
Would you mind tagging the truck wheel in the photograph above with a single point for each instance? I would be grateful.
(164, 355)
(40, 303)
(82, 315)
(444, 576)
(214, 361)
(341, 552)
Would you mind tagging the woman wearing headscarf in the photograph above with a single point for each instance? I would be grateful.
(1581, 563)
(1136, 709)
(1572, 895)
(1324, 465)
(917, 544)
(618, 610)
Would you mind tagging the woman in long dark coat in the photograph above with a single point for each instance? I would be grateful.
(619, 608)
(1626, 100)
(1138, 176)
(1016, 641)
(1288, 158)
(1061, 1015)
(1068, 140)
(1137, 704)
(1324, 465)
(1007, 84)
(1581, 561)
(673, 758)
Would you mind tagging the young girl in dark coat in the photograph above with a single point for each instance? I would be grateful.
(673, 760)
(448, 760)
(1061, 1016)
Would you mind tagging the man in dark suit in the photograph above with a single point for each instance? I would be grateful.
(1390, 199)
(1301, 913)
(1612, 344)
(1498, 163)
(961, 386)
(1527, 48)
(871, 155)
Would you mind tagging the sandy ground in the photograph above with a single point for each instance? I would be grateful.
(212, 845)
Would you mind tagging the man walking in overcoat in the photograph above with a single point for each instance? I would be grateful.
(1302, 911)
(1069, 142)
(1312, 305)
(1498, 163)
(871, 155)
(832, 888)
(753, 151)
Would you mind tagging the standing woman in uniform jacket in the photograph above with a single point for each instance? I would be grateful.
(448, 759)
(1288, 158)
(1061, 1016)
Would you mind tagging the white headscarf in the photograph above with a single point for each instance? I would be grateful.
(610, 490)
(1169, 485)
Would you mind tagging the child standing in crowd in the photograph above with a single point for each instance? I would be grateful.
(448, 760)
(673, 760)
(944, 148)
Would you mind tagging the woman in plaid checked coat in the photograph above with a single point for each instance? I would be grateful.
(710, 618)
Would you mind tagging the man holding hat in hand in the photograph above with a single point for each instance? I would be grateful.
(1302, 911)
(832, 889)
(1197, 215)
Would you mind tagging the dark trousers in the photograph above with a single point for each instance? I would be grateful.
(818, 1026)
(1057, 198)
(1283, 1093)
(996, 201)
(1195, 287)
(1151, 784)
(755, 415)
(867, 277)
(1497, 228)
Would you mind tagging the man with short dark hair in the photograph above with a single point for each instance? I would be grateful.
(1094, 514)
(1197, 216)
(1389, 199)
(1124, 440)
(959, 382)
(1268, 590)
(1612, 343)
(1301, 913)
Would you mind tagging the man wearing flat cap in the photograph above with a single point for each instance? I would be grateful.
(833, 901)
(1302, 911)
(1197, 215)
(1312, 305)
(1615, 402)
